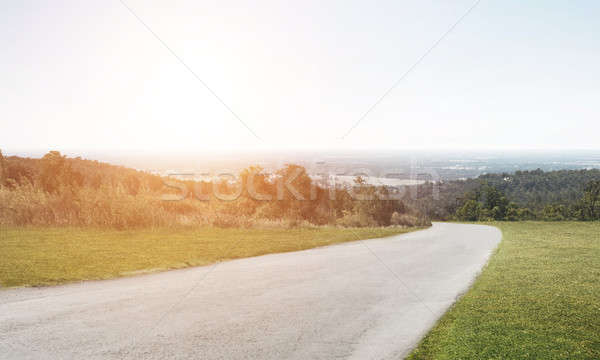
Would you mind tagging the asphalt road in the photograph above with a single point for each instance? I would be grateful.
(370, 299)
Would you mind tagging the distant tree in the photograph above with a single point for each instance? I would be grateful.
(553, 213)
(53, 164)
(525, 214)
(294, 190)
(470, 211)
(591, 200)
(528, 189)
(2, 169)
(512, 212)
(56, 171)
(490, 196)
(486, 214)
(17, 173)
(495, 201)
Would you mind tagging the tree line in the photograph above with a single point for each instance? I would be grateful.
(524, 195)
(56, 190)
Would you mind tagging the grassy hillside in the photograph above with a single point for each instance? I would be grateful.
(46, 256)
(538, 298)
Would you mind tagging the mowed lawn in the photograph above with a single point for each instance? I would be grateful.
(538, 298)
(48, 256)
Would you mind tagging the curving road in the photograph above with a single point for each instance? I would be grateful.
(371, 299)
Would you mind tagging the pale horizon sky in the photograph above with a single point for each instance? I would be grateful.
(88, 76)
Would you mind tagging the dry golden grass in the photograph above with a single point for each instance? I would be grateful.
(53, 255)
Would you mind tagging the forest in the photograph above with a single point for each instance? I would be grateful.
(523, 195)
(56, 190)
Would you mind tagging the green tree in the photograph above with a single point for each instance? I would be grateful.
(469, 211)
(591, 200)
(512, 212)
(553, 213)
(525, 214)
(495, 201)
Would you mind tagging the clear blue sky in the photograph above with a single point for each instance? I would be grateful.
(88, 76)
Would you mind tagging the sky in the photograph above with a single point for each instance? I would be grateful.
(90, 76)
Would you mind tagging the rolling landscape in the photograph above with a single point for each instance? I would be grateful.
(314, 180)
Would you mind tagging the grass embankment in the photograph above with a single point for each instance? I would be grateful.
(538, 298)
(48, 256)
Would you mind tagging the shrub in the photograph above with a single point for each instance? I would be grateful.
(404, 219)
(351, 219)
(470, 211)
(56, 190)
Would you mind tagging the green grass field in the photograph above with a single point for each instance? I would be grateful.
(538, 298)
(48, 256)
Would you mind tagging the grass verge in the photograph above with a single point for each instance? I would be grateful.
(54, 255)
(538, 298)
